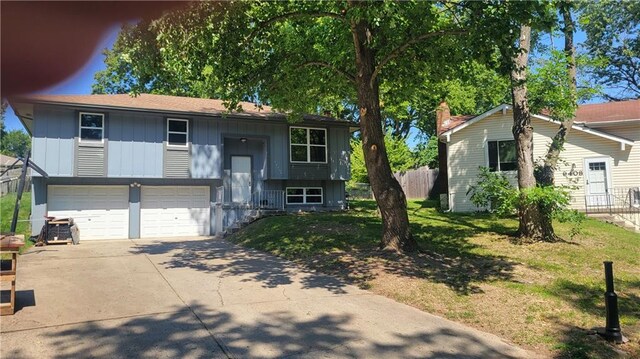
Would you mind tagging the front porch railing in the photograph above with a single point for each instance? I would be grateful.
(268, 199)
(615, 200)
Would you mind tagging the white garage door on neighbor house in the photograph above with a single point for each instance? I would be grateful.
(168, 211)
(101, 212)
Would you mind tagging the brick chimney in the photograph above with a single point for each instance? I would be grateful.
(443, 115)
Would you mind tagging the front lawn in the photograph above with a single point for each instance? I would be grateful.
(544, 296)
(7, 205)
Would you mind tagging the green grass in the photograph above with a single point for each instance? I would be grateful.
(7, 205)
(544, 296)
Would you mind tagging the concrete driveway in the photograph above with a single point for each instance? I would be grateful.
(207, 298)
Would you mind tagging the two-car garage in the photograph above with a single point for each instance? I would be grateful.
(103, 212)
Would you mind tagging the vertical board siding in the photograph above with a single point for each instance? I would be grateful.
(339, 148)
(206, 161)
(90, 161)
(334, 194)
(53, 142)
(176, 163)
(135, 145)
(38, 204)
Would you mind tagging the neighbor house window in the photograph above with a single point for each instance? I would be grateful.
(177, 132)
(502, 156)
(308, 144)
(91, 127)
(304, 195)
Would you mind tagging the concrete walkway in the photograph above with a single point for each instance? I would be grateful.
(207, 298)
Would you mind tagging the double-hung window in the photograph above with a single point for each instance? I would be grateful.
(304, 195)
(177, 132)
(91, 127)
(308, 145)
(502, 156)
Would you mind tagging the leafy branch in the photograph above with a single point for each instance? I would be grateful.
(327, 65)
(398, 50)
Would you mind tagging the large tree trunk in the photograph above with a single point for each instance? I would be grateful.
(546, 175)
(391, 200)
(528, 214)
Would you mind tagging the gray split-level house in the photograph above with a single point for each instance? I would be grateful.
(162, 166)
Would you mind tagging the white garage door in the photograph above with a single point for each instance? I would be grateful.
(168, 211)
(101, 212)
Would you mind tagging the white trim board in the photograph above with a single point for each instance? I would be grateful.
(505, 107)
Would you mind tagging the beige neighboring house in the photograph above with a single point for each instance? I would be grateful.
(601, 159)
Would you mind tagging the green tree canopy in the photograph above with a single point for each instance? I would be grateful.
(367, 58)
(613, 40)
(15, 143)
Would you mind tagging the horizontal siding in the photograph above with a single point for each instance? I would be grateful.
(90, 161)
(467, 151)
(625, 164)
(176, 164)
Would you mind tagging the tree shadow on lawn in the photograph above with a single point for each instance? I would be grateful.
(279, 333)
(577, 342)
(580, 343)
(447, 256)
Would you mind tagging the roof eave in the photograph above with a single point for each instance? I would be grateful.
(238, 115)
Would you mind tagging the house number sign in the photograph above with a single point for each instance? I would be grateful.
(573, 172)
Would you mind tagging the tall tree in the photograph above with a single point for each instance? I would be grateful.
(564, 111)
(309, 57)
(528, 213)
(613, 39)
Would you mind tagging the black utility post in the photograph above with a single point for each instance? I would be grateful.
(23, 178)
(612, 331)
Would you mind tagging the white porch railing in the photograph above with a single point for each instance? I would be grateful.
(229, 213)
(268, 199)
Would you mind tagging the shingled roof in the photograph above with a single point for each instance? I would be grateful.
(609, 112)
(164, 103)
(597, 113)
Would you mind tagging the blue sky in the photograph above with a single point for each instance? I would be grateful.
(79, 83)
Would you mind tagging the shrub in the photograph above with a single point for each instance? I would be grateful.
(494, 191)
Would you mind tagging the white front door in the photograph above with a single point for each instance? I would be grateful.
(240, 179)
(598, 182)
(101, 212)
(173, 211)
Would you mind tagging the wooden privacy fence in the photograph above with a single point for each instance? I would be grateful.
(10, 185)
(417, 183)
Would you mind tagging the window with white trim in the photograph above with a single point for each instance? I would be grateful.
(308, 145)
(177, 132)
(502, 156)
(91, 127)
(304, 195)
